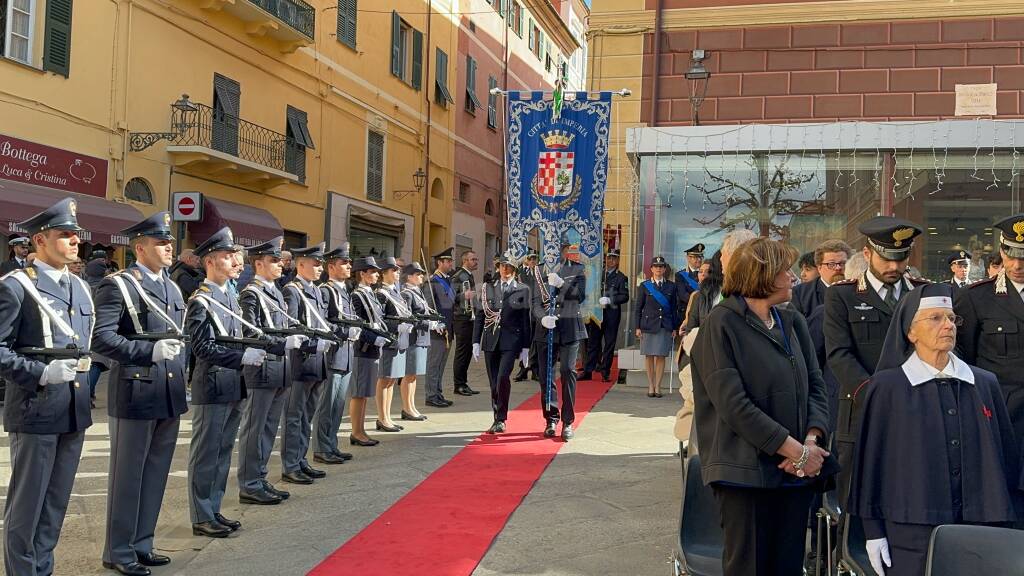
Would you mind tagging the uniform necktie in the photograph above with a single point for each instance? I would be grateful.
(890, 296)
(65, 286)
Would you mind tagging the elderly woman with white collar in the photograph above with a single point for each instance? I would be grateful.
(936, 444)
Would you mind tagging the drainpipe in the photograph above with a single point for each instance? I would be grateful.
(657, 65)
(427, 84)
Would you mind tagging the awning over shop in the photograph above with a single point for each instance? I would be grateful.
(101, 218)
(249, 225)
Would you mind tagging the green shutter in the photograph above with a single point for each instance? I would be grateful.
(396, 46)
(347, 11)
(522, 18)
(417, 59)
(57, 39)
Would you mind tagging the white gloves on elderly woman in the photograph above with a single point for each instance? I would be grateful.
(555, 280)
(549, 322)
(878, 554)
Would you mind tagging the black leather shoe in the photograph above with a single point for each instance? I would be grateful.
(496, 428)
(259, 497)
(342, 455)
(328, 459)
(407, 416)
(312, 472)
(471, 391)
(382, 428)
(357, 442)
(549, 430)
(567, 433)
(129, 569)
(520, 376)
(584, 375)
(213, 529)
(438, 403)
(231, 524)
(464, 391)
(606, 377)
(297, 477)
(282, 494)
(153, 559)
(447, 401)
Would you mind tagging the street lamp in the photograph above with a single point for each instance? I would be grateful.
(139, 141)
(698, 76)
(419, 180)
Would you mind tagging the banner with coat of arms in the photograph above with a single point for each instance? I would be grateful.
(557, 169)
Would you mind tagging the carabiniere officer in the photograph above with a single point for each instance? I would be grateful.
(46, 320)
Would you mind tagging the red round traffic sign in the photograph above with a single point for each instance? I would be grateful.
(186, 206)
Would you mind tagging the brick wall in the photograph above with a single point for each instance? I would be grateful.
(871, 71)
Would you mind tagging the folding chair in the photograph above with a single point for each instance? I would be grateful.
(960, 550)
(699, 549)
(854, 558)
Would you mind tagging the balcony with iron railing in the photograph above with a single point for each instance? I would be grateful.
(209, 140)
(290, 22)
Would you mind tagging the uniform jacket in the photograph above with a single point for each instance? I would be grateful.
(683, 287)
(10, 266)
(808, 296)
(367, 307)
(257, 311)
(444, 299)
(992, 337)
(339, 304)
(393, 305)
(567, 299)
(615, 286)
(418, 304)
(512, 330)
(29, 407)
(138, 388)
(217, 373)
(651, 317)
(305, 303)
(458, 280)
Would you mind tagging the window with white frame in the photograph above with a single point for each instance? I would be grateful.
(18, 23)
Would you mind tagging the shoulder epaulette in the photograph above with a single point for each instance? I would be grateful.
(844, 282)
(30, 271)
(984, 282)
(919, 281)
(203, 288)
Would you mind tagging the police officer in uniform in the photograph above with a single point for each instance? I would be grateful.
(556, 305)
(686, 279)
(266, 386)
(331, 408)
(658, 318)
(367, 348)
(857, 316)
(43, 310)
(464, 285)
(502, 333)
(960, 266)
(602, 338)
(140, 315)
(20, 247)
(992, 335)
(214, 323)
(308, 370)
(443, 295)
(527, 273)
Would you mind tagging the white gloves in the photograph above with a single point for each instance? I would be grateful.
(878, 553)
(322, 345)
(404, 328)
(59, 372)
(549, 322)
(476, 352)
(435, 326)
(294, 341)
(253, 357)
(604, 301)
(524, 357)
(555, 280)
(354, 333)
(166, 349)
(380, 341)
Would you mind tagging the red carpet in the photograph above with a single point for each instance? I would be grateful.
(445, 525)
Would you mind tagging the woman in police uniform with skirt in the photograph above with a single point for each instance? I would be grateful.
(416, 353)
(392, 356)
(367, 348)
(657, 322)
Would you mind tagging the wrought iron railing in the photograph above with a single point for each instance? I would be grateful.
(212, 128)
(295, 13)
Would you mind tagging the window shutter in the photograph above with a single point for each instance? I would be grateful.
(533, 37)
(396, 33)
(522, 18)
(57, 39)
(417, 59)
(492, 103)
(375, 167)
(347, 11)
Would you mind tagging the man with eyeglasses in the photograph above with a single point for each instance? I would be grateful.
(992, 336)
(960, 266)
(830, 260)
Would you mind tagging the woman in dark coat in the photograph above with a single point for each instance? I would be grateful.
(936, 445)
(761, 413)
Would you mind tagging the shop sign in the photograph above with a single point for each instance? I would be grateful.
(24, 161)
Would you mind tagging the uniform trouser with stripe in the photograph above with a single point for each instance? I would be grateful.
(261, 417)
(437, 357)
(140, 459)
(565, 355)
(499, 373)
(297, 423)
(43, 468)
(214, 427)
(330, 411)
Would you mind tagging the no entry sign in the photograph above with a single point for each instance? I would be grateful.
(187, 206)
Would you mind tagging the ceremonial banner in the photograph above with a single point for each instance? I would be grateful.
(557, 168)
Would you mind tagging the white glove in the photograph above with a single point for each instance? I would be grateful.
(59, 372)
(294, 341)
(435, 326)
(878, 553)
(604, 301)
(166, 349)
(322, 345)
(380, 341)
(354, 333)
(555, 280)
(476, 352)
(404, 328)
(524, 357)
(549, 322)
(253, 357)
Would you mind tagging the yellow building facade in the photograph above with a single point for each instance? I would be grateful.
(315, 120)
